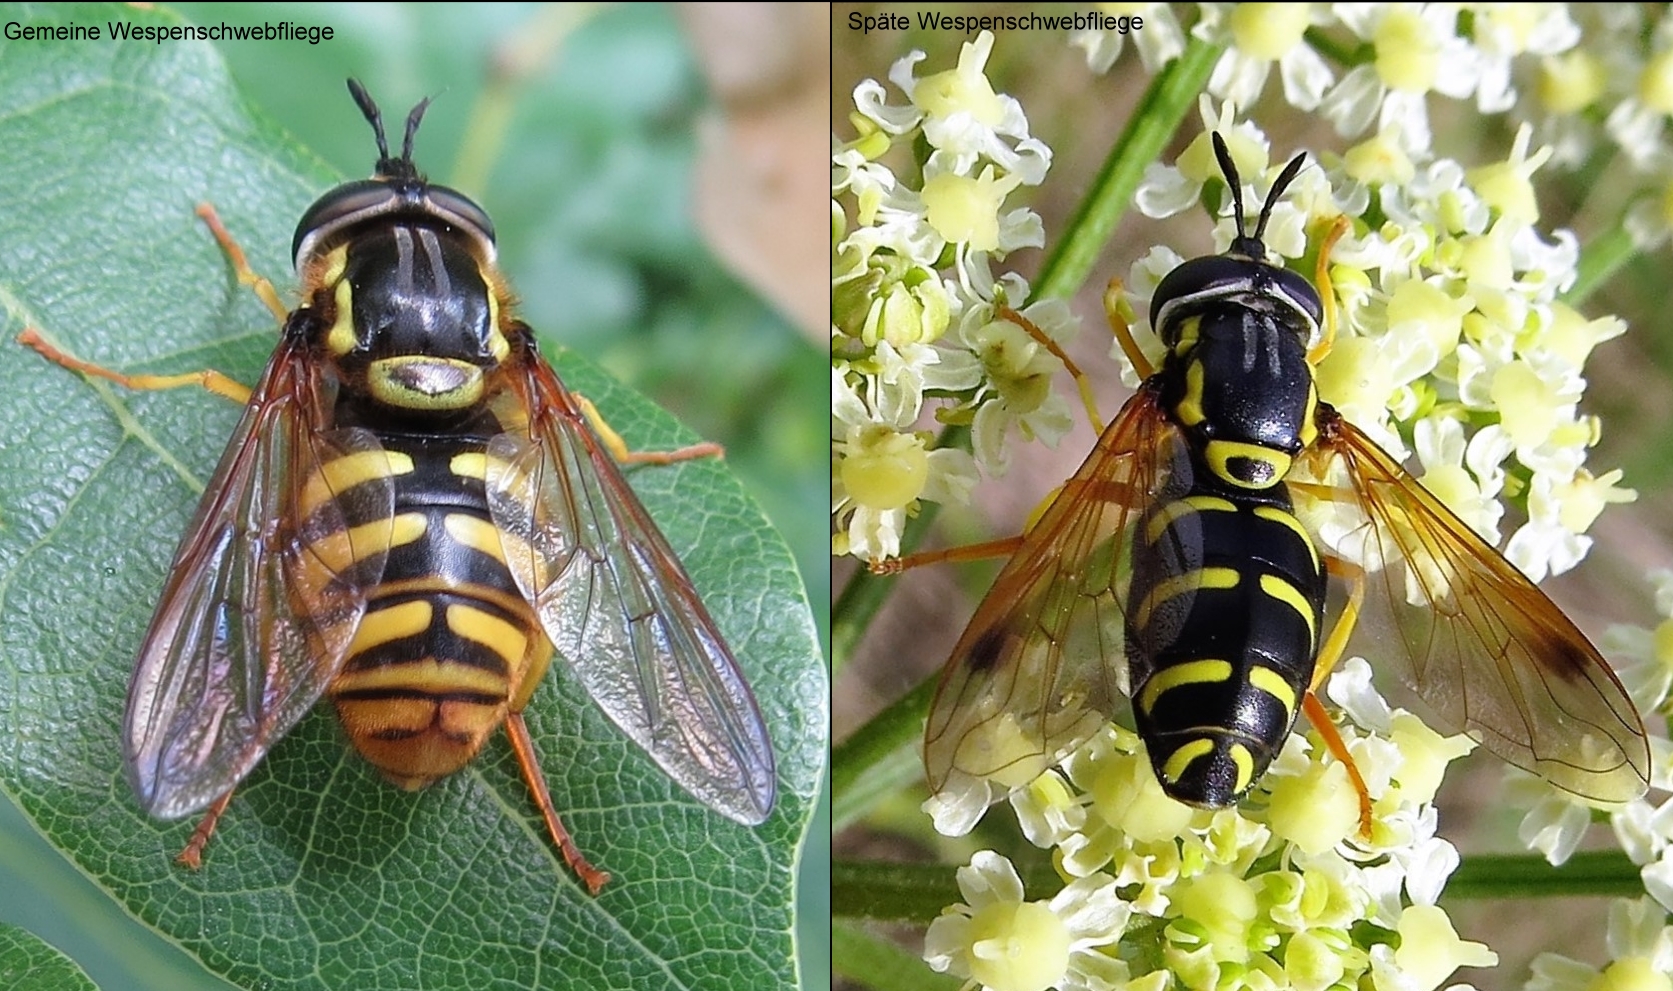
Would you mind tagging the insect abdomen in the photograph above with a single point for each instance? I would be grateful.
(447, 639)
(1224, 612)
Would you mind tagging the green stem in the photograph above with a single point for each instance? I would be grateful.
(882, 964)
(879, 757)
(1346, 54)
(888, 892)
(1170, 97)
(1599, 261)
(1527, 875)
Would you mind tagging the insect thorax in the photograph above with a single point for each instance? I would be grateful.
(1237, 381)
(410, 319)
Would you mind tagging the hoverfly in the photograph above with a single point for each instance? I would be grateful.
(1172, 568)
(412, 517)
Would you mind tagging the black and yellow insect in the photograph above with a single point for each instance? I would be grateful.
(412, 517)
(1173, 567)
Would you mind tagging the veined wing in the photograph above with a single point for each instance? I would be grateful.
(263, 598)
(1043, 663)
(1481, 644)
(618, 606)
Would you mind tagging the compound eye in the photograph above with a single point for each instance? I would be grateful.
(1300, 292)
(347, 202)
(462, 210)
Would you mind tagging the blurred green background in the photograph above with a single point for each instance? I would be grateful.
(577, 130)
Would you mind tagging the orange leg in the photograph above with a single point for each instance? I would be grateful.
(1327, 295)
(518, 730)
(619, 450)
(1116, 309)
(1081, 383)
(208, 378)
(1338, 748)
(1329, 653)
(235, 254)
(192, 856)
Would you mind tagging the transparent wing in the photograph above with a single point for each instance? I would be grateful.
(259, 607)
(619, 608)
(1478, 642)
(1044, 661)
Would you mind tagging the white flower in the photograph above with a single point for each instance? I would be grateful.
(964, 119)
(1256, 36)
(1004, 943)
(1159, 41)
(1640, 946)
(1643, 659)
(1417, 51)
(1502, 31)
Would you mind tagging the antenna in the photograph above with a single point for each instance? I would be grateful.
(390, 168)
(1246, 243)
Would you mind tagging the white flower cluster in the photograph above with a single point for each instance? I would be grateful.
(914, 298)
(1591, 78)
(1394, 55)
(1452, 341)
(1273, 893)
(1556, 821)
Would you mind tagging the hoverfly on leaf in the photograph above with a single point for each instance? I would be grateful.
(411, 519)
(1173, 570)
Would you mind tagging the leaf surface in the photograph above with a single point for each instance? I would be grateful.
(321, 876)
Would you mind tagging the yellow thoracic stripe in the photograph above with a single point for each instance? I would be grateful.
(1182, 759)
(1189, 410)
(1191, 581)
(1275, 515)
(341, 338)
(1189, 328)
(1310, 429)
(1188, 673)
(345, 473)
(1288, 594)
(1273, 684)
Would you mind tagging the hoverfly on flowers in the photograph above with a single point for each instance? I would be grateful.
(412, 518)
(1173, 569)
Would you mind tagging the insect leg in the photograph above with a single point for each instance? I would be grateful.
(192, 856)
(1103, 490)
(1338, 748)
(1329, 653)
(1116, 309)
(1003, 547)
(263, 288)
(518, 730)
(208, 379)
(1327, 295)
(1081, 383)
(619, 450)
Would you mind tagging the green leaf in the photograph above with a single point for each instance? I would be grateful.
(320, 875)
(29, 963)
